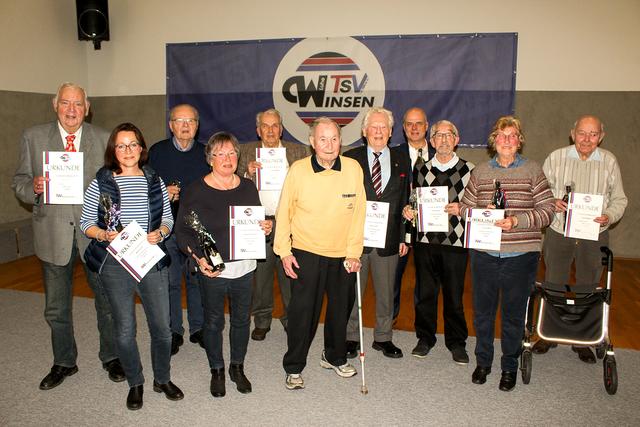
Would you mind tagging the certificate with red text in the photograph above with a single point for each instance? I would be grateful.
(134, 252)
(270, 176)
(375, 224)
(581, 212)
(481, 231)
(246, 238)
(63, 172)
(431, 214)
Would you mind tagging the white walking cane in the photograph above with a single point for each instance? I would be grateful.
(363, 389)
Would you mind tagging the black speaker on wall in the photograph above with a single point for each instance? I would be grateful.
(93, 21)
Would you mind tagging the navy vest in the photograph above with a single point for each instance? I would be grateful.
(96, 252)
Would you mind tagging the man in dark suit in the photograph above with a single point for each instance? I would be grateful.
(269, 129)
(386, 180)
(57, 237)
(179, 161)
(415, 125)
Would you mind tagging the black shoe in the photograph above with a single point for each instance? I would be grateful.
(259, 334)
(197, 338)
(479, 376)
(541, 346)
(387, 348)
(508, 381)
(169, 389)
(134, 398)
(585, 354)
(114, 368)
(55, 377)
(459, 355)
(217, 383)
(421, 349)
(176, 342)
(236, 374)
(352, 349)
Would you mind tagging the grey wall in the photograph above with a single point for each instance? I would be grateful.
(547, 118)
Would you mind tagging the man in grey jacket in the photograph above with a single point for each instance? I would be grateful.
(57, 237)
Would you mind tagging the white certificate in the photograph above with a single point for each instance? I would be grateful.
(581, 212)
(246, 238)
(132, 250)
(274, 168)
(480, 233)
(375, 224)
(431, 214)
(64, 177)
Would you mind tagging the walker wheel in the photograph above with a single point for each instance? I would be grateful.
(610, 374)
(526, 364)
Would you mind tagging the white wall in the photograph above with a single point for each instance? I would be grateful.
(575, 45)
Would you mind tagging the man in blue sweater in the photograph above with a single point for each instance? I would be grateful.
(179, 161)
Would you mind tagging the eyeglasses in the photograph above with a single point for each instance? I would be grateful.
(187, 121)
(229, 155)
(444, 135)
(583, 134)
(133, 147)
(511, 137)
(416, 124)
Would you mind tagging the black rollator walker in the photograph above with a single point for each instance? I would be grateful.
(573, 315)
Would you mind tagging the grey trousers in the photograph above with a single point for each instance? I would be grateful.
(383, 272)
(262, 292)
(559, 252)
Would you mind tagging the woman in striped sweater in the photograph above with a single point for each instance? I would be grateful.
(139, 194)
(506, 276)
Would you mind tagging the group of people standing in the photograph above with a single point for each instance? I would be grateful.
(314, 228)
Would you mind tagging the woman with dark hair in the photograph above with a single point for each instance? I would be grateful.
(139, 194)
(506, 276)
(210, 198)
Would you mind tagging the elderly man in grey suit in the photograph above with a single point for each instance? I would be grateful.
(269, 129)
(57, 237)
(386, 182)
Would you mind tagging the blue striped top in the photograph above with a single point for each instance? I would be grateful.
(134, 195)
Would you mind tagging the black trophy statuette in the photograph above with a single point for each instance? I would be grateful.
(413, 202)
(567, 191)
(112, 213)
(499, 200)
(207, 244)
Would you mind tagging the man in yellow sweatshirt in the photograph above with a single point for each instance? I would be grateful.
(319, 238)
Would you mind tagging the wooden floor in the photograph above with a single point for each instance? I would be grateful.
(624, 325)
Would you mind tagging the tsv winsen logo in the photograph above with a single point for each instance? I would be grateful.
(337, 77)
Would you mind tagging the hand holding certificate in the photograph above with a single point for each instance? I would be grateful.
(274, 168)
(581, 212)
(246, 237)
(481, 231)
(432, 216)
(132, 250)
(63, 172)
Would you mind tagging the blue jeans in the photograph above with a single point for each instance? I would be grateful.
(214, 291)
(121, 288)
(510, 281)
(177, 268)
(58, 289)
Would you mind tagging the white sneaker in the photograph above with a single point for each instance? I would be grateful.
(294, 381)
(345, 371)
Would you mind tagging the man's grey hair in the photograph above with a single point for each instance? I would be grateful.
(424, 114)
(323, 120)
(374, 110)
(269, 111)
(66, 85)
(175, 107)
(588, 116)
(439, 123)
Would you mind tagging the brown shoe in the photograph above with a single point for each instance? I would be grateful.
(541, 346)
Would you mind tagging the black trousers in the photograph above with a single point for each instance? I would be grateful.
(318, 274)
(440, 267)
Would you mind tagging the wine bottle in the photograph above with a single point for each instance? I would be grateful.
(565, 198)
(498, 199)
(206, 242)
